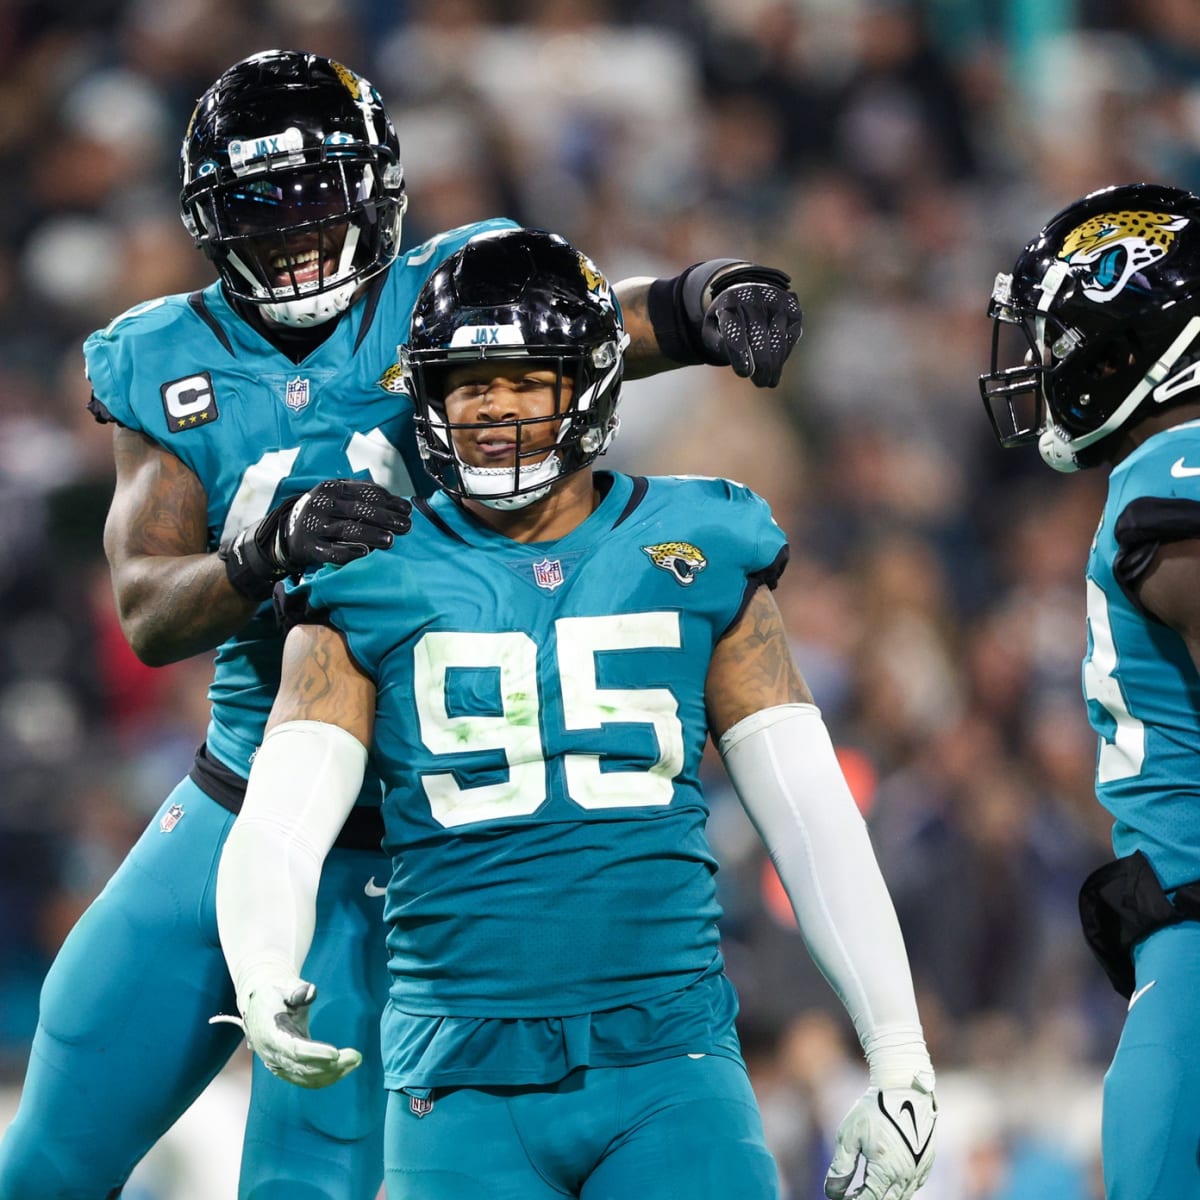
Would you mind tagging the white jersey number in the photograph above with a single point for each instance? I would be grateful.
(517, 732)
(1122, 756)
(370, 452)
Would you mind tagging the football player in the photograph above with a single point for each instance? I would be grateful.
(261, 427)
(1096, 360)
(536, 668)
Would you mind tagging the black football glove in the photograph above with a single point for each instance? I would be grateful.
(728, 312)
(753, 322)
(336, 522)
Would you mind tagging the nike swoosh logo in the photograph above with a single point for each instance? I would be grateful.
(915, 1144)
(372, 889)
(1146, 986)
(1179, 471)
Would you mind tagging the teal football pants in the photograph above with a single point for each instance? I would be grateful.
(1151, 1122)
(683, 1127)
(123, 1043)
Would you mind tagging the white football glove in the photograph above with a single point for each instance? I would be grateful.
(892, 1129)
(275, 1021)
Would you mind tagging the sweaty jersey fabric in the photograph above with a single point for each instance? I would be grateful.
(256, 428)
(1142, 689)
(540, 724)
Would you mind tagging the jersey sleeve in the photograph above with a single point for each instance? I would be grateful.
(115, 359)
(1158, 503)
(764, 545)
(726, 535)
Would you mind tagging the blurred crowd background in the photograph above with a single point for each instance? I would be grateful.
(892, 156)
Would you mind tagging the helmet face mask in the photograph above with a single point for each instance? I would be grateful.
(521, 302)
(1096, 323)
(292, 184)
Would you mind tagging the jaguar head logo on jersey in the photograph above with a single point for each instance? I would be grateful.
(681, 559)
(1117, 246)
(189, 402)
(392, 380)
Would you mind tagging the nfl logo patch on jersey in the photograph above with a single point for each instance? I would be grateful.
(548, 573)
(296, 396)
(420, 1106)
(170, 818)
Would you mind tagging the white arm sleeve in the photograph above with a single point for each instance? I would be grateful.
(303, 783)
(782, 765)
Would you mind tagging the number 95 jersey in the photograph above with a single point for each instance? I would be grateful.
(255, 428)
(540, 724)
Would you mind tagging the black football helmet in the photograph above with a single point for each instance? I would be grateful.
(1098, 322)
(524, 295)
(292, 184)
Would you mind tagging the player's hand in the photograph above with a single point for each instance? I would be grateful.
(753, 322)
(893, 1131)
(275, 1021)
(336, 522)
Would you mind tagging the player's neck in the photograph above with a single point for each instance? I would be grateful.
(569, 504)
(1155, 422)
(294, 343)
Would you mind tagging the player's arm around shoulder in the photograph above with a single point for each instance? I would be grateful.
(304, 781)
(781, 761)
(173, 596)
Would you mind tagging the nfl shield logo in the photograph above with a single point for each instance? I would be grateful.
(171, 818)
(419, 1106)
(297, 394)
(548, 573)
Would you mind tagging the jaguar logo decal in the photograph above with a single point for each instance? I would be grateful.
(1116, 246)
(680, 559)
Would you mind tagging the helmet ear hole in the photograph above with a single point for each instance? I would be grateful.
(292, 184)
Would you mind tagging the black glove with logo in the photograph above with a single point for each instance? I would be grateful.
(728, 312)
(336, 522)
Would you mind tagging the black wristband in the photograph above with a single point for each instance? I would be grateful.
(250, 566)
(674, 306)
(247, 568)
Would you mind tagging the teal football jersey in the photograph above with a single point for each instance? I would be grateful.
(540, 725)
(1142, 689)
(256, 428)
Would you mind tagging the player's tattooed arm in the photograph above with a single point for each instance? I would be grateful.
(643, 356)
(321, 682)
(173, 597)
(752, 667)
